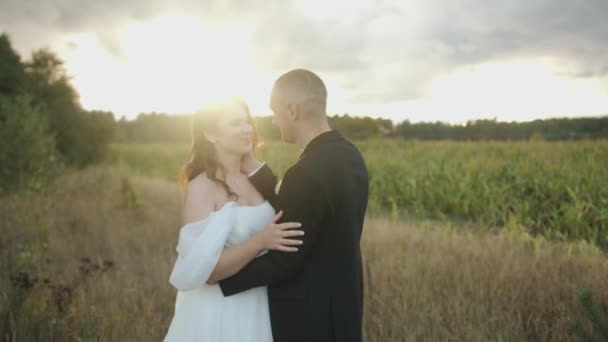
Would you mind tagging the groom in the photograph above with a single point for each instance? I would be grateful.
(315, 294)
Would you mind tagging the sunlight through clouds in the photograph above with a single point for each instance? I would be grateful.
(519, 90)
(515, 90)
(169, 64)
(418, 60)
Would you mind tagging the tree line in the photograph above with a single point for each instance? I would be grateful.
(545, 129)
(158, 128)
(161, 127)
(43, 127)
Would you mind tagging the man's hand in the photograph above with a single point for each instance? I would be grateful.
(280, 236)
(249, 163)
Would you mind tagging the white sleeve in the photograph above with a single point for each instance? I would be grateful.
(199, 248)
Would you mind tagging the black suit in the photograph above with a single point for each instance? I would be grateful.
(315, 294)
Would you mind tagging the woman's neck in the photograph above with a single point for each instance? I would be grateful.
(230, 165)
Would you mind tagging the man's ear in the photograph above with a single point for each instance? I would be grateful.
(294, 112)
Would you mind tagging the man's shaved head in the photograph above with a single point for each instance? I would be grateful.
(303, 88)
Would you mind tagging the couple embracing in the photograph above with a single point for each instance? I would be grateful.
(257, 262)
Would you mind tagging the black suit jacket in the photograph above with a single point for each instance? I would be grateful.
(315, 294)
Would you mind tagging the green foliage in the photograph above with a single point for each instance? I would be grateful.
(358, 128)
(41, 114)
(96, 131)
(12, 73)
(552, 189)
(154, 128)
(152, 160)
(557, 189)
(74, 129)
(550, 129)
(27, 151)
(599, 323)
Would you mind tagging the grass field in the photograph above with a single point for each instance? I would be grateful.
(89, 258)
(558, 190)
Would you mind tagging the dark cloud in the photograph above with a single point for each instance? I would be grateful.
(575, 31)
(293, 41)
(76, 16)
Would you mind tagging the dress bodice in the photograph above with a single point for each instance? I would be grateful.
(248, 221)
(201, 243)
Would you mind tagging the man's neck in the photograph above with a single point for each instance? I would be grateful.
(310, 132)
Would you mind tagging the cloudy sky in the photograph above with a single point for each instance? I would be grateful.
(421, 60)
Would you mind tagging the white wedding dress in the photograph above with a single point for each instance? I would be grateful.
(202, 313)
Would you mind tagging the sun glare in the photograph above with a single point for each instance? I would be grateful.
(515, 90)
(175, 64)
(170, 64)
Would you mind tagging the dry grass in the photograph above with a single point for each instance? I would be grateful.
(91, 256)
(437, 283)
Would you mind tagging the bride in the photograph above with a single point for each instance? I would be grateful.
(227, 224)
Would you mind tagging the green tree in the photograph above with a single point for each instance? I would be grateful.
(81, 137)
(99, 127)
(27, 151)
(12, 73)
(49, 85)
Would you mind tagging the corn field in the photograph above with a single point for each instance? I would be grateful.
(555, 189)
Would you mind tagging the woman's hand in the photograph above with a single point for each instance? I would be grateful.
(249, 163)
(277, 236)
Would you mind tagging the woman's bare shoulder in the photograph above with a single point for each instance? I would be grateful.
(201, 198)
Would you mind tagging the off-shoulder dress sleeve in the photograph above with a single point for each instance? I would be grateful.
(199, 248)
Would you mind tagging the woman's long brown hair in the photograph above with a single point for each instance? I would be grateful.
(201, 157)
